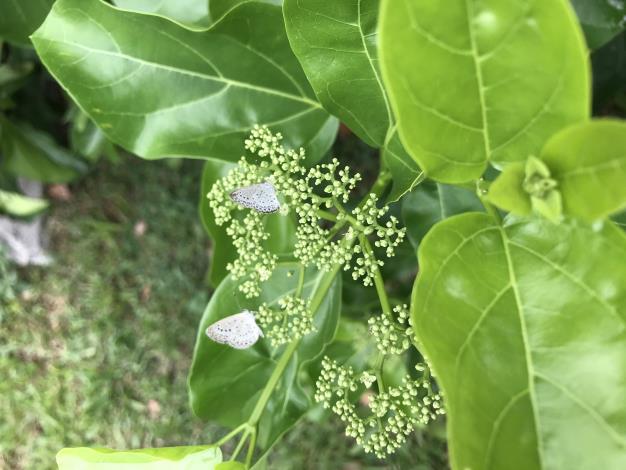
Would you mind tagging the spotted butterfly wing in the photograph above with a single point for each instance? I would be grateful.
(238, 331)
(261, 197)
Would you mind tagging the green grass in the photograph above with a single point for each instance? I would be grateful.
(89, 345)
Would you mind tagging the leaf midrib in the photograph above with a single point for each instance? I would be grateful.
(226, 81)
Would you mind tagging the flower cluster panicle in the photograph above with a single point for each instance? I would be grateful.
(392, 335)
(326, 231)
(394, 413)
(254, 264)
(292, 320)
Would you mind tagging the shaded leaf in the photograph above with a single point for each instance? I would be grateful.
(525, 327)
(165, 458)
(432, 202)
(336, 44)
(225, 383)
(454, 77)
(159, 89)
(601, 19)
(507, 190)
(20, 18)
(33, 154)
(609, 72)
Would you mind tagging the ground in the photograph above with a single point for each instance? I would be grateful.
(95, 349)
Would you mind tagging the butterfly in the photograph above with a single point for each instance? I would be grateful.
(238, 331)
(261, 197)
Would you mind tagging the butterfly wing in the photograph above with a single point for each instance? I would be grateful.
(238, 331)
(260, 197)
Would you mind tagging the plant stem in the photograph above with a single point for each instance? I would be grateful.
(316, 301)
(230, 435)
(378, 278)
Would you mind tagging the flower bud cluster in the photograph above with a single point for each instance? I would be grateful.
(254, 264)
(392, 335)
(394, 413)
(292, 320)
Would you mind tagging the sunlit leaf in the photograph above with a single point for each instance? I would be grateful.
(525, 327)
(159, 89)
(477, 82)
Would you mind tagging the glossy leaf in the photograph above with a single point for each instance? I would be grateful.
(601, 19)
(432, 202)
(525, 327)
(219, 8)
(166, 458)
(481, 81)
(159, 89)
(193, 13)
(20, 205)
(405, 173)
(33, 154)
(226, 383)
(335, 42)
(20, 18)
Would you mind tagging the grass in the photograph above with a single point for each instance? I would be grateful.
(95, 350)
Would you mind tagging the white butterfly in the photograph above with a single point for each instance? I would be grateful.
(261, 197)
(238, 331)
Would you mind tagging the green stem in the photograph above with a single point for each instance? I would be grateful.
(230, 435)
(378, 277)
(242, 441)
(380, 364)
(250, 454)
(316, 301)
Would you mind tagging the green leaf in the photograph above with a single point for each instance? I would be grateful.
(507, 191)
(432, 202)
(405, 173)
(481, 81)
(335, 42)
(193, 13)
(280, 227)
(589, 163)
(600, 19)
(225, 383)
(219, 8)
(166, 458)
(159, 89)
(20, 18)
(524, 325)
(33, 154)
(20, 205)
(222, 249)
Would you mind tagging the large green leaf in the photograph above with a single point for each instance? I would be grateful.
(226, 383)
(33, 154)
(601, 19)
(524, 325)
(159, 89)
(194, 13)
(20, 205)
(165, 458)
(19, 18)
(480, 81)
(219, 8)
(336, 43)
(432, 202)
